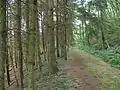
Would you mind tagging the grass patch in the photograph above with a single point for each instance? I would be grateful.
(108, 76)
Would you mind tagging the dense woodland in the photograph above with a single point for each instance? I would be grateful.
(37, 34)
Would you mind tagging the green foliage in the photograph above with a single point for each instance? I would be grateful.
(110, 55)
(101, 15)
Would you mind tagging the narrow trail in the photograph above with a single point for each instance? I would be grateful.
(84, 81)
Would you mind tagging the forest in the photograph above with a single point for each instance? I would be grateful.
(59, 45)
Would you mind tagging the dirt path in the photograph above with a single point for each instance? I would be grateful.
(84, 81)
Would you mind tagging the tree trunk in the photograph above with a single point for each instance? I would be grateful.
(7, 60)
(38, 49)
(43, 35)
(27, 28)
(3, 42)
(31, 45)
(101, 29)
(19, 44)
(57, 29)
(64, 21)
(51, 43)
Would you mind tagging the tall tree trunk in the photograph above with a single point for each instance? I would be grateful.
(43, 36)
(69, 25)
(12, 63)
(19, 44)
(51, 41)
(103, 39)
(44, 24)
(27, 28)
(3, 42)
(7, 61)
(31, 45)
(101, 29)
(57, 29)
(64, 35)
(38, 49)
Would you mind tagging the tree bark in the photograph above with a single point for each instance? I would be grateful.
(7, 60)
(31, 44)
(57, 29)
(3, 42)
(19, 44)
(51, 42)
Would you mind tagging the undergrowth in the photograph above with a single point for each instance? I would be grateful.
(110, 55)
(55, 82)
(59, 81)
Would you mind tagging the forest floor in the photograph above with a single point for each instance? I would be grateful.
(84, 80)
(100, 74)
(82, 71)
